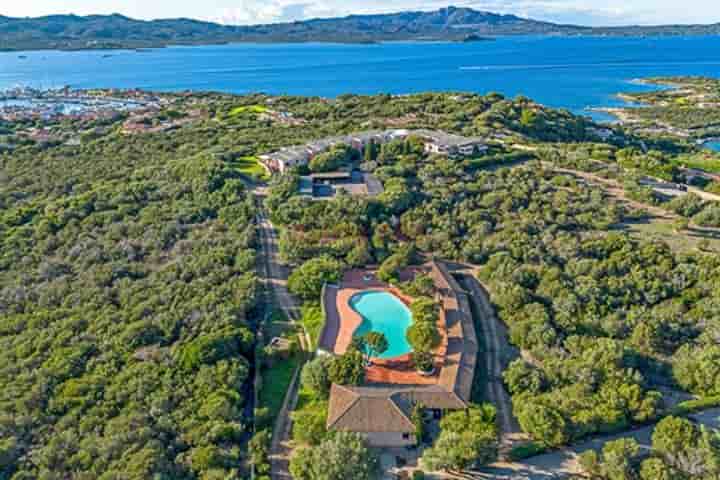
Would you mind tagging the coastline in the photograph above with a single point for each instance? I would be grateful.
(623, 113)
(468, 38)
(618, 113)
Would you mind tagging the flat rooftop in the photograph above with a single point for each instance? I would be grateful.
(331, 175)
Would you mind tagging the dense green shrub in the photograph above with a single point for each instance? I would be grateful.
(468, 438)
(342, 456)
(307, 281)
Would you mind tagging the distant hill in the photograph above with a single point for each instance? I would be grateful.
(453, 24)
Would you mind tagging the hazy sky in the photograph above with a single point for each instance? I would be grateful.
(592, 12)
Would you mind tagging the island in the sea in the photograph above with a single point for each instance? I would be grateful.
(71, 32)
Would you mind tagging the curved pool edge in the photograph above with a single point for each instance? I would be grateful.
(394, 338)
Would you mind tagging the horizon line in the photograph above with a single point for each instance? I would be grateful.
(337, 17)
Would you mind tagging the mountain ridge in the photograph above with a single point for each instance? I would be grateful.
(71, 32)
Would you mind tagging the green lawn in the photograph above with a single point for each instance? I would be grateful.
(251, 167)
(313, 321)
(248, 109)
(275, 383)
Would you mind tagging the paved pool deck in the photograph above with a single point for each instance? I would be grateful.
(342, 321)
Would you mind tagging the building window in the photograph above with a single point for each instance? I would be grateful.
(406, 436)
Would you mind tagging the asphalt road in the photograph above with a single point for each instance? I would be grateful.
(498, 353)
(276, 273)
(275, 278)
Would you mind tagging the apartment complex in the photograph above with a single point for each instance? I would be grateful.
(435, 141)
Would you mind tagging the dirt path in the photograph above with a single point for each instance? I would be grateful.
(615, 190)
(498, 354)
(710, 197)
(562, 464)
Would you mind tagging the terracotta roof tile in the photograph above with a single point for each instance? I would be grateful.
(387, 408)
(367, 410)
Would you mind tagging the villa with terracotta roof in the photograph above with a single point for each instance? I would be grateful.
(381, 408)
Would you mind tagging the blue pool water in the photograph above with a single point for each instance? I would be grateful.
(573, 73)
(384, 313)
(713, 146)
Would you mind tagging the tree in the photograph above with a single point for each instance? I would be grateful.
(334, 158)
(342, 456)
(619, 459)
(359, 255)
(545, 424)
(589, 461)
(258, 448)
(126, 260)
(656, 469)
(206, 458)
(425, 310)
(697, 369)
(315, 376)
(389, 270)
(423, 361)
(358, 344)
(421, 286)
(528, 118)
(382, 238)
(303, 464)
(678, 441)
(307, 281)
(209, 349)
(348, 369)
(375, 345)
(521, 377)
(423, 337)
(417, 416)
(709, 217)
(309, 424)
(467, 438)
(452, 451)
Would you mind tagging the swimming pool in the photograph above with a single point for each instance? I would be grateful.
(384, 313)
(714, 145)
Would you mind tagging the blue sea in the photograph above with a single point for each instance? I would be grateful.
(573, 73)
